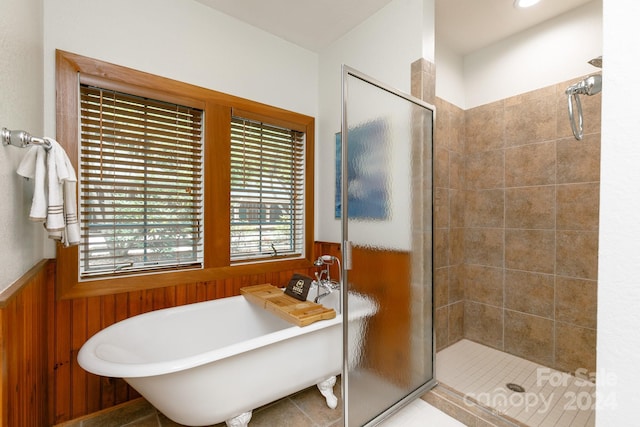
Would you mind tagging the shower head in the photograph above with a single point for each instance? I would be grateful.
(596, 62)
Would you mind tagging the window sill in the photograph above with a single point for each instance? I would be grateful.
(108, 286)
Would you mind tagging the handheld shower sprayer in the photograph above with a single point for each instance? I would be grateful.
(588, 86)
(327, 260)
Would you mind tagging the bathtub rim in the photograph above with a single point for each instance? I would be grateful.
(89, 360)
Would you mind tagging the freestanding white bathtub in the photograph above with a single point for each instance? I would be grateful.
(215, 361)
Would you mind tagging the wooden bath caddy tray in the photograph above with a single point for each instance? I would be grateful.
(301, 313)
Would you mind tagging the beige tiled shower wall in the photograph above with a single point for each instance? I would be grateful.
(449, 209)
(516, 227)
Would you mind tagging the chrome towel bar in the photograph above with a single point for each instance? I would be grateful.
(20, 138)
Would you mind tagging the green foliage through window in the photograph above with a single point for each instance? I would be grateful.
(141, 184)
(267, 190)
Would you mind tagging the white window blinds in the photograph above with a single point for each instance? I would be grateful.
(267, 190)
(141, 184)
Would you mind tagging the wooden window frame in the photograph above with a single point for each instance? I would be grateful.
(72, 69)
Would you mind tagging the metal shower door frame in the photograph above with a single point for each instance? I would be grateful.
(346, 249)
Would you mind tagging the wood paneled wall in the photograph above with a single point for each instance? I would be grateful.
(386, 275)
(24, 343)
(42, 383)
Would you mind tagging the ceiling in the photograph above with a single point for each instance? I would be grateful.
(463, 25)
(468, 25)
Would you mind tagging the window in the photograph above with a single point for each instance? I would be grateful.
(177, 183)
(267, 190)
(141, 184)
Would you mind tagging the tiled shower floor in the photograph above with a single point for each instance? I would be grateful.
(550, 399)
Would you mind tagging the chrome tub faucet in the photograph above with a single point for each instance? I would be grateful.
(325, 283)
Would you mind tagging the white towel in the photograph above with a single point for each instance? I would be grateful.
(33, 166)
(54, 196)
(55, 178)
(62, 219)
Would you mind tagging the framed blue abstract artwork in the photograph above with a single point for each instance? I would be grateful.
(367, 165)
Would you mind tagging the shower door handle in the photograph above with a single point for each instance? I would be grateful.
(346, 254)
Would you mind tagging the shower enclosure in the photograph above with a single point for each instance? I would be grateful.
(385, 161)
(519, 262)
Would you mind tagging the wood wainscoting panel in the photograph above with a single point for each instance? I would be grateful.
(385, 275)
(24, 348)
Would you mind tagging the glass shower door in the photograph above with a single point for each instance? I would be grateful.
(386, 207)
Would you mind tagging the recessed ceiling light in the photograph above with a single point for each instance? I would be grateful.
(524, 3)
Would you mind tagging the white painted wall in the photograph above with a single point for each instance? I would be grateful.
(450, 83)
(182, 40)
(382, 47)
(551, 52)
(619, 257)
(20, 108)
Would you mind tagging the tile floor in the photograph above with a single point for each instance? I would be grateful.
(420, 414)
(306, 408)
(468, 372)
(550, 398)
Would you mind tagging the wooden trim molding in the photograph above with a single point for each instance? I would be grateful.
(12, 290)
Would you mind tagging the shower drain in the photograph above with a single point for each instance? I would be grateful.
(515, 387)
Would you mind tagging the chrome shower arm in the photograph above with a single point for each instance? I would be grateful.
(589, 86)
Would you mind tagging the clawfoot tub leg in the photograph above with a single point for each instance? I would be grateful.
(241, 420)
(326, 388)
